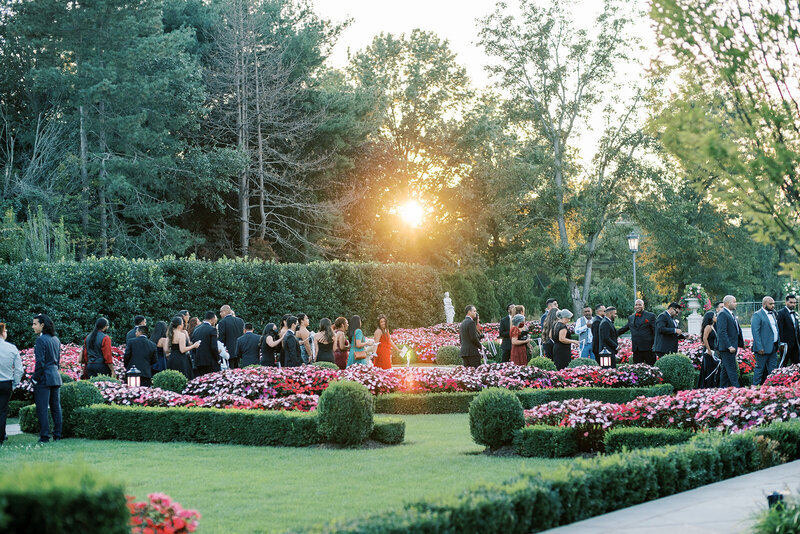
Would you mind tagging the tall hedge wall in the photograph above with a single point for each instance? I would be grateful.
(74, 294)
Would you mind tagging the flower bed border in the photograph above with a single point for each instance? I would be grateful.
(240, 427)
(458, 402)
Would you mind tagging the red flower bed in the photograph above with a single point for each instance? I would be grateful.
(160, 515)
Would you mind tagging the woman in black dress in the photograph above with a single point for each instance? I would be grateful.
(270, 344)
(562, 343)
(323, 340)
(179, 350)
(709, 368)
(158, 338)
(550, 321)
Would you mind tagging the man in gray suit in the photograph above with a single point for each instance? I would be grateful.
(765, 340)
(46, 378)
(470, 341)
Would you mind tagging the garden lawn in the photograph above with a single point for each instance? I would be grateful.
(274, 489)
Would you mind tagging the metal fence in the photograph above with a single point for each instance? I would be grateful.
(745, 310)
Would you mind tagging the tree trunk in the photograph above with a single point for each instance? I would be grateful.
(242, 141)
(101, 189)
(262, 212)
(84, 185)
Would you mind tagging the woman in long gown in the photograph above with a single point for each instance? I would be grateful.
(710, 366)
(270, 344)
(358, 343)
(341, 347)
(562, 343)
(323, 342)
(383, 358)
(519, 347)
(550, 321)
(159, 334)
(179, 350)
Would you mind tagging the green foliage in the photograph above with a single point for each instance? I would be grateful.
(170, 380)
(473, 286)
(459, 402)
(73, 396)
(78, 500)
(532, 502)
(242, 427)
(745, 379)
(542, 362)
(494, 415)
(345, 412)
(325, 365)
(677, 370)
(638, 438)
(786, 434)
(546, 441)
(448, 356)
(781, 519)
(65, 378)
(388, 430)
(104, 378)
(578, 362)
(119, 289)
(28, 421)
(14, 406)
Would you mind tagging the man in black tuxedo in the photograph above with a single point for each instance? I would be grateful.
(505, 333)
(667, 332)
(468, 335)
(600, 313)
(140, 352)
(729, 341)
(248, 347)
(230, 329)
(291, 346)
(607, 334)
(642, 326)
(138, 321)
(790, 330)
(207, 354)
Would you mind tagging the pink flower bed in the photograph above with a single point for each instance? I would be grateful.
(692, 346)
(730, 410)
(784, 376)
(160, 515)
(70, 363)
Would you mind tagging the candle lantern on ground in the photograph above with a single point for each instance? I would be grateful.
(605, 358)
(134, 377)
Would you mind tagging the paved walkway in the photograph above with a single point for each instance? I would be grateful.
(13, 430)
(722, 508)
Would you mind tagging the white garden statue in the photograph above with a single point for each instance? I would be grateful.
(449, 310)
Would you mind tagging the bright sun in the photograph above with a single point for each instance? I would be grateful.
(411, 212)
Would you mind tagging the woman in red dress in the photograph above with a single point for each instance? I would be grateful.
(519, 348)
(341, 346)
(383, 357)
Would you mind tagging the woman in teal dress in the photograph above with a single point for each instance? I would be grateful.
(358, 344)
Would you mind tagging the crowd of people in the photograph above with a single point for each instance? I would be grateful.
(193, 347)
(775, 337)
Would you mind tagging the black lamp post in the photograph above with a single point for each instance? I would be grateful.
(134, 377)
(633, 246)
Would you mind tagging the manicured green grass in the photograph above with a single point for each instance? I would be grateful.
(275, 489)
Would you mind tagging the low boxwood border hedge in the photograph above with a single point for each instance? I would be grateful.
(638, 438)
(546, 441)
(206, 425)
(433, 403)
(61, 499)
(583, 488)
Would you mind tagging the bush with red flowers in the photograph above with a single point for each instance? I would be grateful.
(160, 515)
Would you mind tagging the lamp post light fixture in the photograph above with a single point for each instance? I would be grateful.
(605, 358)
(633, 246)
(134, 377)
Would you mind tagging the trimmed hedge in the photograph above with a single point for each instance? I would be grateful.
(448, 355)
(207, 425)
(458, 402)
(639, 438)
(532, 502)
(73, 396)
(29, 423)
(580, 362)
(259, 291)
(546, 441)
(542, 362)
(324, 365)
(677, 369)
(344, 412)
(104, 378)
(494, 415)
(388, 430)
(170, 380)
(61, 499)
(15, 406)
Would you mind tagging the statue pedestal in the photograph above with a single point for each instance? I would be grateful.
(695, 321)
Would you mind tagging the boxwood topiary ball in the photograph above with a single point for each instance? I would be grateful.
(344, 413)
(73, 396)
(170, 380)
(494, 415)
(545, 364)
(326, 365)
(577, 362)
(104, 378)
(677, 369)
